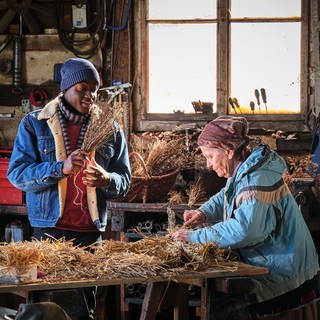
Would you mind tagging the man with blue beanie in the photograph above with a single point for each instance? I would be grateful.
(76, 70)
(48, 164)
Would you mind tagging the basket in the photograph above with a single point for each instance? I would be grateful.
(149, 188)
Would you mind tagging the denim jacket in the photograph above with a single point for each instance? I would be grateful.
(36, 168)
(257, 215)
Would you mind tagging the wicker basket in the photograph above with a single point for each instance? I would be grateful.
(149, 188)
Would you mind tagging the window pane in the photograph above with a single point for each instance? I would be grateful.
(182, 9)
(182, 66)
(266, 55)
(263, 8)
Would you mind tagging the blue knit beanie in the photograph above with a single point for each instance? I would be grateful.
(76, 70)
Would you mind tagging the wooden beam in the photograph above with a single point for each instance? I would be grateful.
(152, 300)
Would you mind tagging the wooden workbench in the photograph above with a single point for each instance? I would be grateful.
(149, 309)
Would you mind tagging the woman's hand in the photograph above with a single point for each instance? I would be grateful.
(193, 218)
(180, 235)
(95, 176)
(75, 162)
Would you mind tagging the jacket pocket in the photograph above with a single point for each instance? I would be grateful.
(107, 151)
(46, 149)
(254, 256)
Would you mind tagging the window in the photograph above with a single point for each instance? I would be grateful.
(265, 54)
(181, 55)
(215, 50)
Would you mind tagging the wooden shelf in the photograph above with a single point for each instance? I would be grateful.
(118, 210)
(146, 207)
(18, 210)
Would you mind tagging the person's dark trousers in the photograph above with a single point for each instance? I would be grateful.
(229, 306)
(40, 311)
(86, 297)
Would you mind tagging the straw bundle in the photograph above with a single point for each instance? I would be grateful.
(197, 193)
(142, 144)
(176, 197)
(100, 127)
(163, 157)
(298, 167)
(165, 151)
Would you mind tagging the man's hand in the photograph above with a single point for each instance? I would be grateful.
(75, 162)
(193, 218)
(95, 176)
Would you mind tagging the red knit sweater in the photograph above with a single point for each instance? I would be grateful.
(76, 215)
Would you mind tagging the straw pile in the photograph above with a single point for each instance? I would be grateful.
(15, 257)
(58, 259)
(149, 257)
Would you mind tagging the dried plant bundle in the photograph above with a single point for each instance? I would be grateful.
(164, 152)
(299, 166)
(161, 157)
(171, 218)
(100, 127)
(176, 197)
(142, 144)
(196, 193)
(165, 157)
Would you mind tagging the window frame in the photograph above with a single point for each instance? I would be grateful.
(144, 121)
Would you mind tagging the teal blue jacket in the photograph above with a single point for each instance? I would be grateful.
(257, 215)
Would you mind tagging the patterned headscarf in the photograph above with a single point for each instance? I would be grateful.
(225, 132)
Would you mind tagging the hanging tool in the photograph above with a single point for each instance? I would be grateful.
(17, 60)
(252, 106)
(257, 94)
(232, 104)
(264, 97)
(113, 91)
(187, 127)
(236, 103)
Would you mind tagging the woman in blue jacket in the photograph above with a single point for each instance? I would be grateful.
(66, 197)
(255, 214)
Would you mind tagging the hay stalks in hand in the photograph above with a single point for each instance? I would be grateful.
(100, 127)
